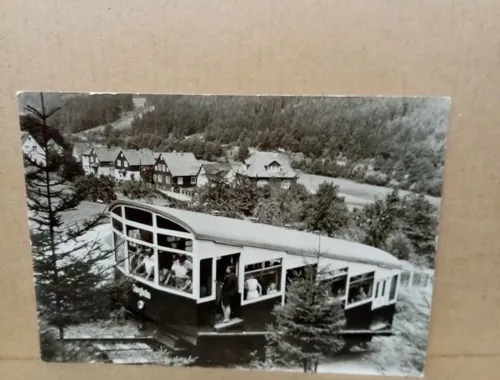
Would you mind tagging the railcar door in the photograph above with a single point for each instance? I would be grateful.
(381, 295)
(222, 264)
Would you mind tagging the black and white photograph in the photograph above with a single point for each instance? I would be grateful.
(250, 232)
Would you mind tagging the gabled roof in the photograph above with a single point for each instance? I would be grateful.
(53, 145)
(137, 157)
(258, 162)
(237, 232)
(81, 147)
(104, 154)
(215, 168)
(181, 163)
(24, 136)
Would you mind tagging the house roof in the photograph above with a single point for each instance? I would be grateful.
(181, 163)
(258, 162)
(52, 144)
(104, 154)
(24, 136)
(81, 147)
(137, 157)
(214, 168)
(245, 233)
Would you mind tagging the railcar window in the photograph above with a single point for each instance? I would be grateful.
(140, 234)
(175, 242)
(141, 261)
(169, 225)
(117, 210)
(206, 277)
(392, 292)
(361, 287)
(138, 216)
(175, 271)
(339, 285)
(262, 279)
(405, 279)
(117, 225)
(119, 244)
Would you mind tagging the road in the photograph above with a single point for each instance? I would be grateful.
(356, 194)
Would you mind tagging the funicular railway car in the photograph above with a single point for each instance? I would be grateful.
(176, 261)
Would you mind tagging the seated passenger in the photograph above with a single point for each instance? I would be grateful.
(148, 264)
(179, 270)
(186, 284)
(272, 288)
(254, 289)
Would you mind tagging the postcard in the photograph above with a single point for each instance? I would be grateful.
(275, 233)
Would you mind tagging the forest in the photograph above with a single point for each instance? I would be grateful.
(387, 141)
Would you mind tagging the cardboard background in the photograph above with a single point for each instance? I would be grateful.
(338, 47)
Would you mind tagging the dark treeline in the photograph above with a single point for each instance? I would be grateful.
(399, 141)
(80, 112)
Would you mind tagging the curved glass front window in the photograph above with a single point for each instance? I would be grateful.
(153, 249)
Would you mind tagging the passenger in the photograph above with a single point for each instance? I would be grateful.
(179, 270)
(148, 264)
(187, 283)
(253, 287)
(272, 288)
(229, 290)
(362, 295)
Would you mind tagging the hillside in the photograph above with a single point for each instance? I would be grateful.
(396, 141)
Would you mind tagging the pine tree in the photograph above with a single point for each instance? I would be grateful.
(419, 225)
(307, 326)
(326, 211)
(380, 219)
(70, 274)
(243, 151)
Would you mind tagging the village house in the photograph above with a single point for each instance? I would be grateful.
(178, 172)
(100, 161)
(78, 149)
(55, 147)
(215, 171)
(129, 163)
(31, 148)
(268, 168)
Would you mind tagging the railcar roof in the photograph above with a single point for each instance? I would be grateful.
(246, 233)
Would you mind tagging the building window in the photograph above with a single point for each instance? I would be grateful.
(262, 279)
(285, 185)
(119, 246)
(175, 271)
(117, 225)
(206, 277)
(394, 284)
(169, 225)
(155, 178)
(139, 234)
(125, 163)
(193, 180)
(160, 179)
(167, 180)
(156, 167)
(405, 279)
(361, 287)
(141, 261)
(175, 242)
(138, 216)
(180, 181)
